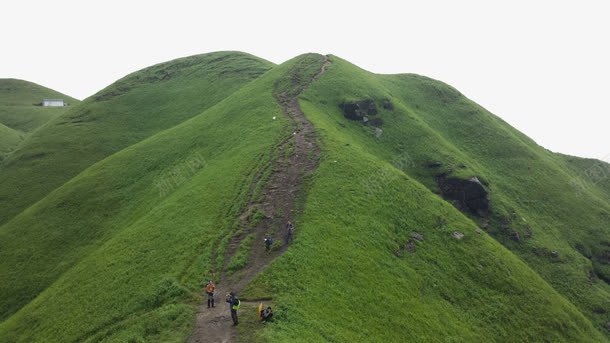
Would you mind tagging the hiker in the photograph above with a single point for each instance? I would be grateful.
(234, 306)
(209, 289)
(268, 243)
(289, 231)
(267, 314)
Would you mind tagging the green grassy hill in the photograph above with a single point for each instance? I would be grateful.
(117, 249)
(9, 140)
(21, 113)
(124, 113)
(426, 122)
(592, 175)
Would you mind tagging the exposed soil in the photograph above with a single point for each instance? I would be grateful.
(298, 157)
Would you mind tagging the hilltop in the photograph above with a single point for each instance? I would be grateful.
(21, 111)
(419, 215)
(135, 107)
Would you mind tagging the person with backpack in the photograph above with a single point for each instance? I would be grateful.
(289, 232)
(267, 314)
(234, 306)
(268, 243)
(209, 289)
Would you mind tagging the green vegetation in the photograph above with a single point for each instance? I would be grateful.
(343, 262)
(20, 104)
(592, 175)
(145, 200)
(111, 236)
(125, 113)
(241, 256)
(9, 139)
(21, 113)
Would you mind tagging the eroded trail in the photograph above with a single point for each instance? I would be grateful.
(298, 157)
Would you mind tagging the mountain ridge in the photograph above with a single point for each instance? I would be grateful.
(130, 110)
(374, 217)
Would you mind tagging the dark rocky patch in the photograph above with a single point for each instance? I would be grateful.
(387, 104)
(364, 111)
(410, 246)
(359, 109)
(485, 224)
(515, 236)
(468, 195)
(417, 236)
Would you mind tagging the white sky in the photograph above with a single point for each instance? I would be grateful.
(543, 66)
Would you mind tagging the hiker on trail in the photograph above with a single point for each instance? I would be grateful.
(268, 243)
(209, 289)
(289, 232)
(267, 314)
(234, 306)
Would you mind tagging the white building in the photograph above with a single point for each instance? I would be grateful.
(53, 102)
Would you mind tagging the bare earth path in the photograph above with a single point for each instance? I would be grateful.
(298, 157)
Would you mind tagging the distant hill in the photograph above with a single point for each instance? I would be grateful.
(426, 218)
(20, 111)
(133, 108)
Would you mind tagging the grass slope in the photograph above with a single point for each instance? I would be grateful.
(135, 107)
(126, 242)
(592, 175)
(530, 189)
(9, 140)
(20, 104)
(20, 112)
(342, 281)
(118, 253)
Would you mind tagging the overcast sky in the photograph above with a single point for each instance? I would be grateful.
(543, 66)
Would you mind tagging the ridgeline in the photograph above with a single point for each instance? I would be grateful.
(419, 215)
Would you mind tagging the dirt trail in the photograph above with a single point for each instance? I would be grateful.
(298, 157)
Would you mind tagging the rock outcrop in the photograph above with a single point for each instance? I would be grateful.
(469, 195)
(364, 111)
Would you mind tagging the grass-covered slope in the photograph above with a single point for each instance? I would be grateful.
(592, 175)
(342, 279)
(115, 253)
(20, 104)
(9, 140)
(21, 113)
(536, 211)
(133, 108)
(118, 252)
